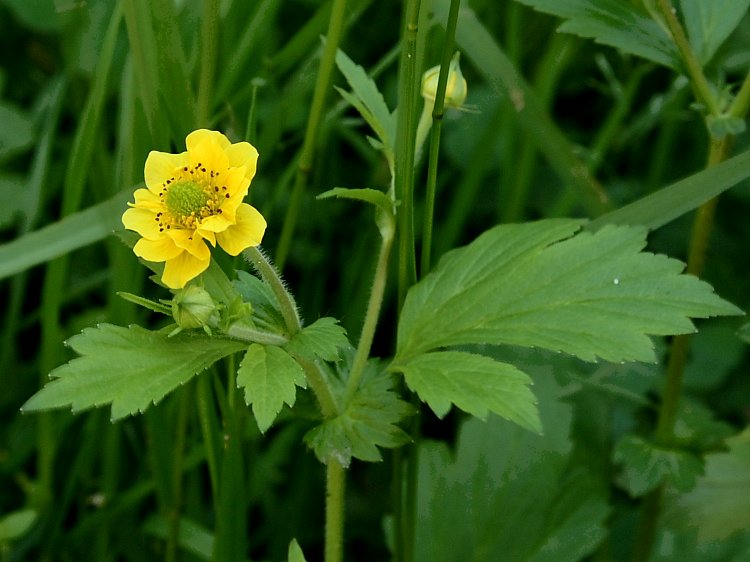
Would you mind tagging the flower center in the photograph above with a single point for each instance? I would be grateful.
(186, 198)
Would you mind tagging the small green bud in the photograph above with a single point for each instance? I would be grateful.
(193, 307)
(455, 89)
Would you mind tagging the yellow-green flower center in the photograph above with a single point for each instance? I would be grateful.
(186, 198)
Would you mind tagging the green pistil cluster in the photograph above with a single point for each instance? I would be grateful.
(191, 195)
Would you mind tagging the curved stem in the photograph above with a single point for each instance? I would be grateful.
(703, 90)
(335, 488)
(437, 117)
(304, 166)
(374, 304)
(328, 405)
(271, 276)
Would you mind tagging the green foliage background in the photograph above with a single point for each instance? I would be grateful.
(87, 89)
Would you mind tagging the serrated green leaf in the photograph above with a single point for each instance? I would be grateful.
(587, 295)
(615, 23)
(368, 195)
(368, 422)
(508, 494)
(295, 553)
(131, 368)
(719, 505)
(646, 466)
(270, 377)
(368, 100)
(709, 23)
(323, 339)
(475, 383)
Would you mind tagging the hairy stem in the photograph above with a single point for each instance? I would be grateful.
(335, 488)
(703, 91)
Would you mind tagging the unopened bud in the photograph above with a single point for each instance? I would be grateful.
(193, 307)
(455, 88)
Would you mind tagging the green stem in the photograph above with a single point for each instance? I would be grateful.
(741, 103)
(405, 146)
(245, 333)
(387, 232)
(304, 166)
(437, 117)
(703, 91)
(664, 434)
(335, 488)
(209, 44)
(271, 276)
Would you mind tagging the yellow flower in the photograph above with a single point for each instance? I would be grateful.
(192, 198)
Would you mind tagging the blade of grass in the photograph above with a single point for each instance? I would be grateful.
(667, 204)
(62, 237)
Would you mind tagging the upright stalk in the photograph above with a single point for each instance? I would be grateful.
(335, 488)
(437, 118)
(209, 48)
(387, 232)
(304, 166)
(406, 132)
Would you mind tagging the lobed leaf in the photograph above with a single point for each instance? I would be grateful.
(615, 23)
(368, 422)
(131, 368)
(508, 494)
(270, 377)
(719, 505)
(590, 295)
(646, 466)
(475, 383)
(323, 339)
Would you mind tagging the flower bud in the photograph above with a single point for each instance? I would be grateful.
(455, 88)
(193, 307)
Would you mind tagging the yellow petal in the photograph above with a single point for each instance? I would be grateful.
(243, 154)
(236, 182)
(197, 137)
(190, 241)
(183, 268)
(161, 166)
(209, 154)
(162, 249)
(215, 223)
(143, 221)
(248, 231)
(144, 199)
